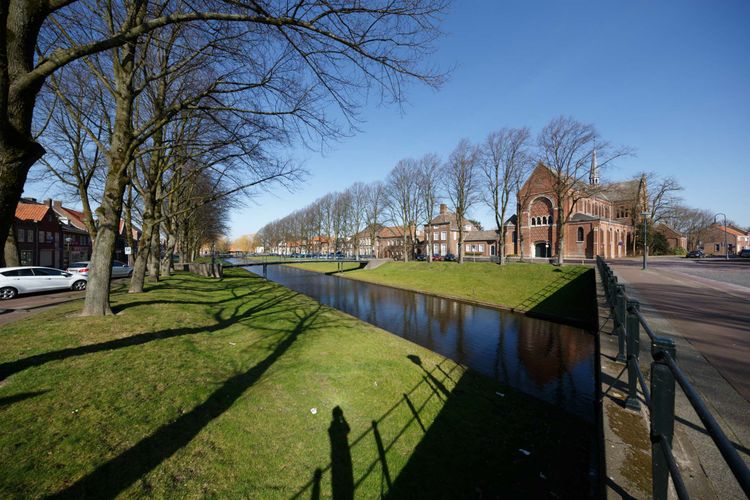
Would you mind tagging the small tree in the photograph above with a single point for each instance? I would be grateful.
(428, 181)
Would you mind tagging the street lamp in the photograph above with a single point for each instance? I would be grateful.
(726, 248)
(645, 246)
(68, 239)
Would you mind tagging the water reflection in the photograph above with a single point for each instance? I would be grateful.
(546, 360)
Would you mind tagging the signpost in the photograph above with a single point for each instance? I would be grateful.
(128, 250)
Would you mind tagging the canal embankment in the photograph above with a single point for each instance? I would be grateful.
(546, 292)
(240, 387)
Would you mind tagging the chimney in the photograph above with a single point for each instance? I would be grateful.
(57, 204)
(443, 209)
(48, 202)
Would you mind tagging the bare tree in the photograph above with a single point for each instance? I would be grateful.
(566, 147)
(376, 201)
(505, 161)
(358, 193)
(337, 49)
(429, 189)
(403, 202)
(462, 185)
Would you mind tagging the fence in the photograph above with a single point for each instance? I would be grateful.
(660, 394)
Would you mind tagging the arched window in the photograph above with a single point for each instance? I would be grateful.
(544, 220)
(533, 221)
(549, 220)
(580, 234)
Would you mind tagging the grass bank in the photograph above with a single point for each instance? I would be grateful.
(241, 388)
(565, 293)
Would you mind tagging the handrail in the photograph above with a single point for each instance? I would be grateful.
(628, 320)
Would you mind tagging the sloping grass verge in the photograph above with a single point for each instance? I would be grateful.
(241, 388)
(564, 294)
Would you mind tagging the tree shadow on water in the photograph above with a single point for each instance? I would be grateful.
(120, 472)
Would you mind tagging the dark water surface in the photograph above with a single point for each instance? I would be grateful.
(546, 360)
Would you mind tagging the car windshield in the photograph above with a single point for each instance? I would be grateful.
(79, 264)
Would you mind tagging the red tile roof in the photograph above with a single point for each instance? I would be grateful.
(31, 211)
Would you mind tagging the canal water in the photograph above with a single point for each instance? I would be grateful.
(550, 361)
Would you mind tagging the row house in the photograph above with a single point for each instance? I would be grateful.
(712, 240)
(443, 232)
(38, 234)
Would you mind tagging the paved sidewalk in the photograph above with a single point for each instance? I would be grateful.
(710, 323)
(22, 306)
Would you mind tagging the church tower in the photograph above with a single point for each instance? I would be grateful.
(594, 173)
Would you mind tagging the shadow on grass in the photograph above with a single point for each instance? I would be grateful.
(473, 448)
(12, 367)
(122, 471)
(9, 400)
(569, 299)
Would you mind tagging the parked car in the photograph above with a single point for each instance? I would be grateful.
(449, 257)
(695, 254)
(119, 269)
(745, 253)
(421, 257)
(31, 279)
(437, 257)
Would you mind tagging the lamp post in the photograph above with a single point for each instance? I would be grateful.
(67, 249)
(645, 245)
(726, 248)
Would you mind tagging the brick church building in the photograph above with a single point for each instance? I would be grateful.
(601, 221)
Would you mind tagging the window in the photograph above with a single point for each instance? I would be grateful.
(718, 247)
(533, 221)
(21, 235)
(549, 220)
(27, 258)
(481, 247)
(46, 271)
(435, 235)
(435, 249)
(580, 234)
(443, 235)
(41, 236)
(443, 249)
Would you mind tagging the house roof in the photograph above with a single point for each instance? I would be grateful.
(730, 230)
(75, 218)
(481, 235)
(668, 231)
(31, 211)
(391, 232)
(579, 217)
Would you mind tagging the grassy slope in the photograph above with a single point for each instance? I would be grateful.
(203, 387)
(538, 288)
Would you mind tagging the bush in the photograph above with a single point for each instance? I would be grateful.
(679, 251)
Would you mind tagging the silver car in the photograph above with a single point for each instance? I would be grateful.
(31, 279)
(119, 269)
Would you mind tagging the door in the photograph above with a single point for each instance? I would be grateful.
(45, 257)
(540, 250)
(49, 279)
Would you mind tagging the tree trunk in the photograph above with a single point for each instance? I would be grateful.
(141, 258)
(166, 262)
(560, 238)
(154, 254)
(11, 251)
(100, 266)
(461, 242)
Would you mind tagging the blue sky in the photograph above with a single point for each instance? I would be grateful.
(670, 79)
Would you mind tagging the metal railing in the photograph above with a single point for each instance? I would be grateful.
(660, 394)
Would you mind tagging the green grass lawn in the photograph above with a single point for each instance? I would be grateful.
(204, 387)
(565, 292)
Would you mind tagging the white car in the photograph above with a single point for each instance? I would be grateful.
(119, 270)
(31, 279)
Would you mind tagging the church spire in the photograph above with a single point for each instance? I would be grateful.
(594, 174)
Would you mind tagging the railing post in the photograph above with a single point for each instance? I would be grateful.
(662, 414)
(633, 348)
(265, 270)
(620, 322)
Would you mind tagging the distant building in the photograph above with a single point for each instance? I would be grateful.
(712, 240)
(38, 234)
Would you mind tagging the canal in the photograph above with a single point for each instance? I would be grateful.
(546, 360)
